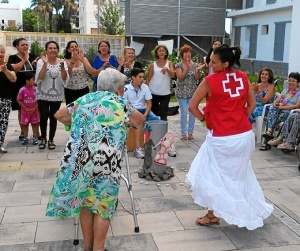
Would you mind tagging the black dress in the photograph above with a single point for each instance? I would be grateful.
(28, 67)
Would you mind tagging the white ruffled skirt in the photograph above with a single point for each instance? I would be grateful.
(222, 179)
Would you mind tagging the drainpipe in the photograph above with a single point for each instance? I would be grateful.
(178, 28)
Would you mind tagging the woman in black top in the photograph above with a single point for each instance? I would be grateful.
(7, 76)
(21, 62)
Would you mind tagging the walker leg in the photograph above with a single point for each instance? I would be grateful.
(129, 188)
(76, 239)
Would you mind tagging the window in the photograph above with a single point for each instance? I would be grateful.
(250, 43)
(271, 1)
(265, 29)
(253, 42)
(249, 4)
(279, 41)
(237, 36)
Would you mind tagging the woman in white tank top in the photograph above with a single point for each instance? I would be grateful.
(159, 80)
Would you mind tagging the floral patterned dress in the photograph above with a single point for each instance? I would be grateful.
(89, 174)
(259, 106)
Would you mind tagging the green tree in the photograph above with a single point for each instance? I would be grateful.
(29, 20)
(36, 49)
(40, 8)
(111, 20)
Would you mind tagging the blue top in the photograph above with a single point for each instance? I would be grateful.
(98, 63)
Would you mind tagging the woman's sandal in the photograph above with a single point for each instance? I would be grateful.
(51, 145)
(42, 144)
(206, 221)
(268, 135)
(183, 137)
(264, 147)
(190, 137)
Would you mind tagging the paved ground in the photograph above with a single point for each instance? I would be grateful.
(166, 212)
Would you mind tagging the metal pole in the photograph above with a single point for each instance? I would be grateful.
(98, 17)
(178, 28)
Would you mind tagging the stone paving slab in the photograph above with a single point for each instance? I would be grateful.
(28, 185)
(164, 221)
(193, 240)
(11, 234)
(163, 204)
(22, 175)
(6, 186)
(56, 230)
(275, 234)
(23, 214)
(20, 199)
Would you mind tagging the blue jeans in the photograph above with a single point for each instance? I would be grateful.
(151, 115)
(184, 104)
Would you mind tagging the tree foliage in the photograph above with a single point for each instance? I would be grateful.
(29, 20)
(53, 15)
(111, 19)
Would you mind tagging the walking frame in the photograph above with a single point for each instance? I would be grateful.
(128, 184)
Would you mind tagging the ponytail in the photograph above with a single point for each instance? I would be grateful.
(229, 54)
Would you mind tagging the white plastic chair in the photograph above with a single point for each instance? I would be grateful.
(259, 121)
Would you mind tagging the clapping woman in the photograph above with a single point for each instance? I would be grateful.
(128, 62)
(187, 79)
(51, 75)
(79, 70)
(159, 80)
(104, 60)
(264, 91)
(7, 76)
(21, 62)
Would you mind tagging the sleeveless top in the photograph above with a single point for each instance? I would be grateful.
(78, 78)
(226, 111)
(160, 84)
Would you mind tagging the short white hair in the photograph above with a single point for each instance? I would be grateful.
(110, 80)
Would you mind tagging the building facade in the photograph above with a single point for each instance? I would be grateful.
(191, 22)
(267, 33)
(88, 24)
(10, 15)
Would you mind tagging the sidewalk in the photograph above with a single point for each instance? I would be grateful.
(166, 212)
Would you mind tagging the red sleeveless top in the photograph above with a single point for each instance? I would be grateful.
(225, 112)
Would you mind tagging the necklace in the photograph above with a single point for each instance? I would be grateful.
(286, 96)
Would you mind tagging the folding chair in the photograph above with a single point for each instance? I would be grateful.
(128, 183)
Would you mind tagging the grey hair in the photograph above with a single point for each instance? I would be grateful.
(110, 80)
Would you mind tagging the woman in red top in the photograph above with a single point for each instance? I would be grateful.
(221, 176)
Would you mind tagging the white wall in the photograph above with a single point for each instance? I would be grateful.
(265, 42)
(87, 20)
(10, 12)
(294, 62)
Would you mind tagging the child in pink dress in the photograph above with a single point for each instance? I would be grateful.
(29, 108)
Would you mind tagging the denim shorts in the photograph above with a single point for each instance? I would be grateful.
(151, 115)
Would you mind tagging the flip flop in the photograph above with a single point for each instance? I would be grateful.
(210, 222)
(264, 147)
(285, 147)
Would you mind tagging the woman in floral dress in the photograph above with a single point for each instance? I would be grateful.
(87, 184)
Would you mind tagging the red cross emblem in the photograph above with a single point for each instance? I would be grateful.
(233, 87)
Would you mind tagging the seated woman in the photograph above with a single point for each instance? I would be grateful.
(264, 91)
(279, 111)
(289, 132)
